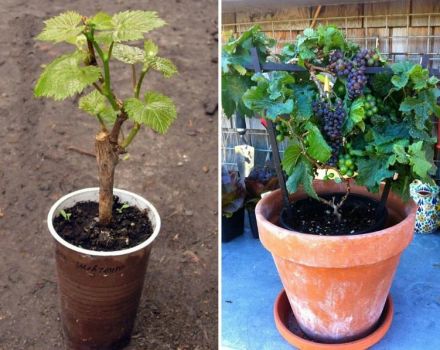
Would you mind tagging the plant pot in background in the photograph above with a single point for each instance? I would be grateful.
(99, 292)
(233, 226)
(336, 285)
(252, 221)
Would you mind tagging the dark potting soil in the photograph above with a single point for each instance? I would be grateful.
(358, 215)
(129, 227)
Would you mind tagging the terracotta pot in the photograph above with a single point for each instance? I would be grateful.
(336, 285)
(99, 292)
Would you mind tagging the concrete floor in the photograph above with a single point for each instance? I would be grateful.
(250, 284)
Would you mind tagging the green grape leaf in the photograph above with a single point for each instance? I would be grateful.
(65, 77)
(155, 110)
(291, 156)
(64, 27)
(256, 99)
(128, 54)
(150, 48)
(278, 84)
(132, 25)
(417, 159)
(357, 111)
(419, 77)
(233, 89)
(421, 107)
(303, 95)
(372, 171)
(96, 104)
(102, 21)
(400, 152)
(318, 149)
(163, 65)
(401, 73)
(330, 37)
(302, 174)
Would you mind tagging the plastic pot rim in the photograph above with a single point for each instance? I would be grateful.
(56, 207)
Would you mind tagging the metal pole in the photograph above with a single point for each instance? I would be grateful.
(272, 140)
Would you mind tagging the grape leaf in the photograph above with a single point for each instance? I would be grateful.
(421, 107)
(372, 171)
(150, 48)
(96, 104)
(65, 77)
(102, 21)
(291, 155)
(64, 27)
(318, 149)
(420, 165)
(357, 111)
(128, 54)
(257, 99)
(156, 110)
(330, 37)
(132, 25)
(163, 65)
(302, 175)
(278, 84)
(419, 77)
(233, 89)
(303, 95)
(401, 73)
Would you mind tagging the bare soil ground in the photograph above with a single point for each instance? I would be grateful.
(178, 173)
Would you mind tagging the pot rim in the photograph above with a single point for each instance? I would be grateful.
(258, 212)
(335, 251)
(84, 251)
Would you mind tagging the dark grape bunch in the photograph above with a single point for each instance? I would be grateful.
(332, 117)
(339, 64)
(357, 78)
(356, 82)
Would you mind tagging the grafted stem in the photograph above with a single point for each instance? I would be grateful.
(337, 206)
(107, 160)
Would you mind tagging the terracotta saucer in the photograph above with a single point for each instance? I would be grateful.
(289, 329)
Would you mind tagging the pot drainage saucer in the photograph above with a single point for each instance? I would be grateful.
(289, 329)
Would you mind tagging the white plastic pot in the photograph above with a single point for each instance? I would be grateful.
(99, 291)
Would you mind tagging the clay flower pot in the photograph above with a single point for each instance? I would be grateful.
(99, 292)
(337, 286)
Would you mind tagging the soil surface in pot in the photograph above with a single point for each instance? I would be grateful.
(129, 227)
(358, 215)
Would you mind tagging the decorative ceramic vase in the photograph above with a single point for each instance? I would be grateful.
(428, 214)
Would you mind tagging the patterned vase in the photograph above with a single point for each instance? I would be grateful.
(428, 214)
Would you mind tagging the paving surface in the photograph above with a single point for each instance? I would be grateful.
(250, 284)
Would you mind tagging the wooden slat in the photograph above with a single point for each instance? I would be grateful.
(425, 6)
(386, 8)
(343, 11)
(299, 15)
(412, 45)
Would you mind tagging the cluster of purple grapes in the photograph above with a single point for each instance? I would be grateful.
(339, 64)
(332, 117)
(357, 78)
(356, 82)
(368, 58)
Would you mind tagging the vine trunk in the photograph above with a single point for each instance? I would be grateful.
(107, 159)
